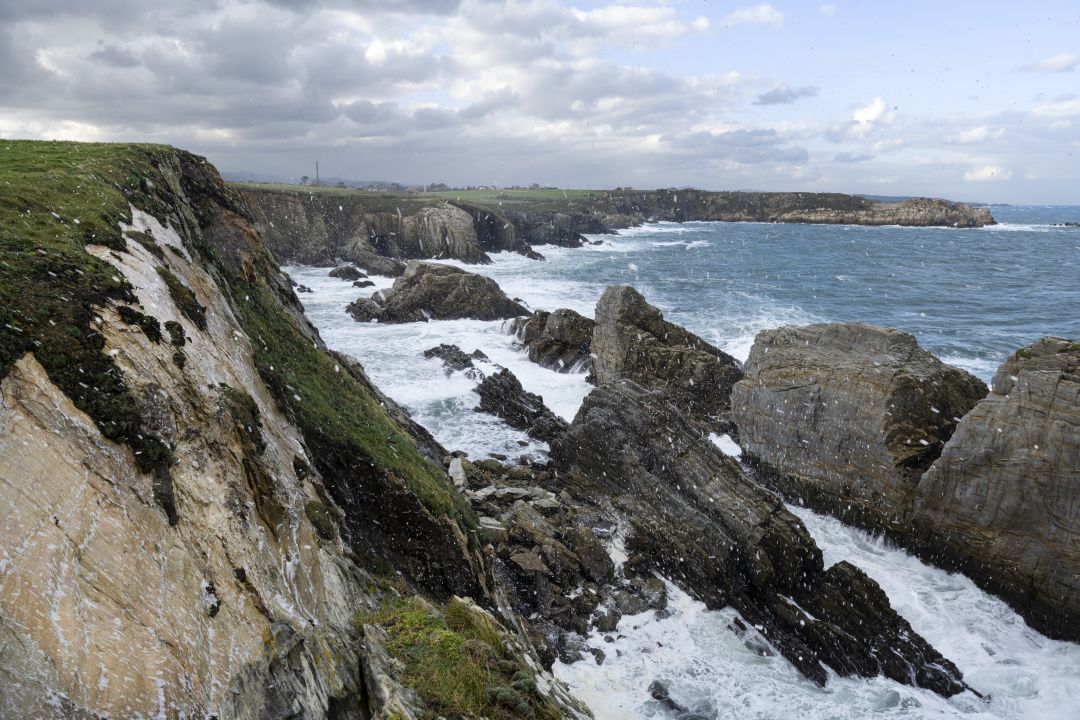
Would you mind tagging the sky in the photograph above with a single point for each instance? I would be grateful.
(971, 101)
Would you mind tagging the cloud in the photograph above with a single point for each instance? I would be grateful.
(987, 173)
(828, 10)
(847, 157)
(978, 134)
(1058, 109)
(782, 95)
(1062, 62)
(764, 14)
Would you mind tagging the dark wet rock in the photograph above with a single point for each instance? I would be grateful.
(438, 292)
(303, 289)
(1002, 503)
(633, 341)
(502, 395)
(565, 229)
(695, 517)
(559, 340)
(347, 272)
(591, 553)
(846, 417)
(453, 357)
(363, 284)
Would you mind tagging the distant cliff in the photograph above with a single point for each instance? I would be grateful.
(319, 226)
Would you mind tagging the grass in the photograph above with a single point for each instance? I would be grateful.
(55, 198)
(342, 423)
(455, 659)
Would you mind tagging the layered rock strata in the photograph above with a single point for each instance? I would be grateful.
(1002, 503)
(559, 340)
(633, 341)
(846, 417)
(694, 516)
(428, 291)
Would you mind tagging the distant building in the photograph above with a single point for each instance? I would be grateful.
(305, 180)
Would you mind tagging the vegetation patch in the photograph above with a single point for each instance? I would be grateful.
(147, 323)
(245, 412)
(176, 333)
(147, 241)
(455, 660)
(55, 198)
(183, 297)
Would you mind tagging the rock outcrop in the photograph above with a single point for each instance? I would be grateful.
(694, 516)
(633, 341)
(502, 395)
(846, 417)
(428, 291)
(194, 492)
(347, 272)
(559, 340)
(1002, 503)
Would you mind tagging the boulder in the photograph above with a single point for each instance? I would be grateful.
(846, 417)
(453, 357)
(1002, 503)
(347, 272)
(427, 291)
(633, 341)
(694, 516)
(559, 340)
(502, 395)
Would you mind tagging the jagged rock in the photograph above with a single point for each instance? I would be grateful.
(559, 340)
(1002, 503)
(453, 357)
(591, 553)
(347, 272)
(363, 284)
(502, 395)
(846, 417)
(698, 519)
(427, 291)
(633, 341)
(303, 289)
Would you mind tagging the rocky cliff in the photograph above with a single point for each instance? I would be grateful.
(1002, 503)
(316, 228)
(860, 422)
(203, 512)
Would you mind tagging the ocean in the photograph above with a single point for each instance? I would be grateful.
(970, 296)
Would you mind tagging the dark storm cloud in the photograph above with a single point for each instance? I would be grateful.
(782, 94)
(115, 56)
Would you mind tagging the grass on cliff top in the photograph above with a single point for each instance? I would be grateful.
(55, 198)
(342, 422)
(455, 660)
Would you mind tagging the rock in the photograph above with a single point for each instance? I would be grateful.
(846, 417)
(363, 284)
(347, 272)
(608, 620)
(492, 530)
(530, 562)
(303, 289)
(1002, 503)
(591, 553)
(633, 341)
(427, 291)
(559, 340)
(502, 395)
(695, 517)
(453, 357)
(456, 471)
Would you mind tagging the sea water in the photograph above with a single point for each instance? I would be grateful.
(971, 296)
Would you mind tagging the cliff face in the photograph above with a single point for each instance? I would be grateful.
(315, 228)
(197, 501)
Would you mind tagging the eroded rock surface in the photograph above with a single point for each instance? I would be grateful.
(502, 395)
(695, 517)
(427, 291)
(1002, 503)
(845, 417)
(633, 341)
(559, 340)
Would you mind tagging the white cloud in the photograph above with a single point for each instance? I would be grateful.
(871, 113)
(828, 10)
(978, 134)
(1059, 109)
(987, 173)
(764, 14)
(1062, 62)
